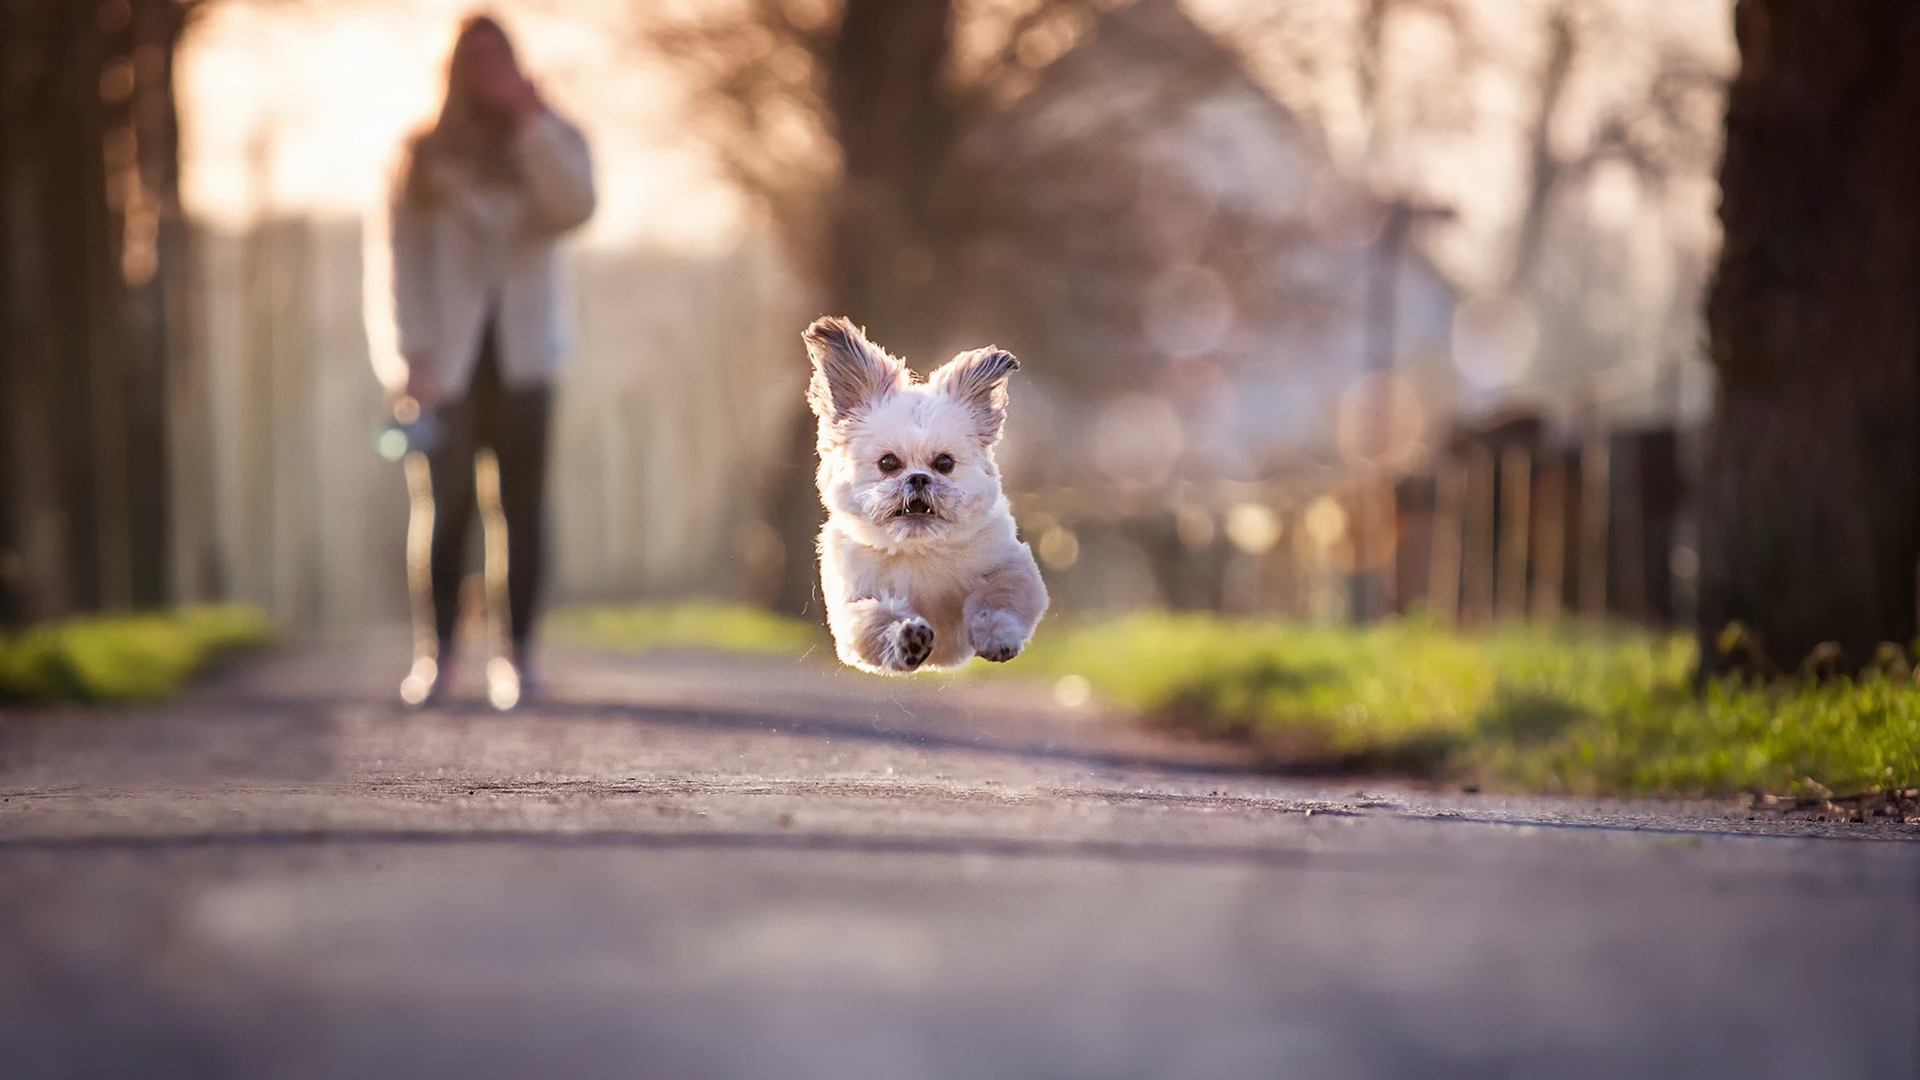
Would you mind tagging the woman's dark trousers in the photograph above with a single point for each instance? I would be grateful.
(512, 421)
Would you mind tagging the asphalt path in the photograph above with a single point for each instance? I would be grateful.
(686, 866)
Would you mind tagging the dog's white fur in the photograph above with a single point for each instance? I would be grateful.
(919, 560)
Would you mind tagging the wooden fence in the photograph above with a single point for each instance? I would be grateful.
(683, 377)
(1507, 523)
(1513, 524)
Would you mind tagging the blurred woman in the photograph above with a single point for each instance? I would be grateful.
(482, 199)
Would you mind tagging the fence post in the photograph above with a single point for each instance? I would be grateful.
(1595, 490)
(1550, 538)
(1443, 573)
(1516, 491)
(1477, 554)
(1629, 527)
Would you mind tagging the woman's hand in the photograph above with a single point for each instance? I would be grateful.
(422, 385)
(510, 94)
(519, 99)
(497, 84)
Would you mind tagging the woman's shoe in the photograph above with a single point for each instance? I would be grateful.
(427, 683)
(503, 683)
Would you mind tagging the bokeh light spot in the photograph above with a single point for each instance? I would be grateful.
(1253, 528)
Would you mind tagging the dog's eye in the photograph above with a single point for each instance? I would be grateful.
(889, 464)
(943, 463)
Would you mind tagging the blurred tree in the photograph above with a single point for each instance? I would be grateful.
(1145, 193)
(1400, 86)
(843, 120)
(1565, 263)
(88, 231)
(895, 149)
(1812, 524)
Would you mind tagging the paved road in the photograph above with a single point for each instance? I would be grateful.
(692, 867)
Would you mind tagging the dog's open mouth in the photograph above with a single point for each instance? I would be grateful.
(916, 508)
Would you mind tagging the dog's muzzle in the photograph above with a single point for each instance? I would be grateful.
(917, 504)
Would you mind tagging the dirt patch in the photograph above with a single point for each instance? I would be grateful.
(1899, 805)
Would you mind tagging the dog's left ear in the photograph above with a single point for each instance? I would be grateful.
(850, 373)
(978, 380)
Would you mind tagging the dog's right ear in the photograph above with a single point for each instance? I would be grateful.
(850, 373)
(978, 379)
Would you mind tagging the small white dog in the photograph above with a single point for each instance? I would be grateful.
(919, 560)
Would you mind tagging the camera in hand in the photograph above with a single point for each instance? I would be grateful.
(411, 429)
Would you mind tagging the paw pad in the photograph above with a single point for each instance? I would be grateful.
(1000, 654)
(997, 636)
(915, 641)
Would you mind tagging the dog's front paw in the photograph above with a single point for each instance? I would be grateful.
(997, 636)
(909, 643)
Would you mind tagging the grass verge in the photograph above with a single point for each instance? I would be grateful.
(1519, 708)
(122, 657)
(1522, 708)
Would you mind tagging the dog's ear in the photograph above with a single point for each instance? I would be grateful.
(978, 380)
(850, 373)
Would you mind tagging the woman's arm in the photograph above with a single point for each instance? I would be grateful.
(416, 309)
(559, 171)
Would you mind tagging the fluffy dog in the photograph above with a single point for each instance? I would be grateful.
(919, 560)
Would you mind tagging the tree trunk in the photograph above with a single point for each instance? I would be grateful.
(894, 126)
(1811, 501)
(87, 163)
(151, 258)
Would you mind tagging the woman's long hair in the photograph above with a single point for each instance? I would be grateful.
(460, 146)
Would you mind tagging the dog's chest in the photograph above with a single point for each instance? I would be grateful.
(936, 588)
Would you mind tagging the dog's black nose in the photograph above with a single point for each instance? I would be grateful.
(919, 481)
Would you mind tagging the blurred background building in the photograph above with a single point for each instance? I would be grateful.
(1326, 309)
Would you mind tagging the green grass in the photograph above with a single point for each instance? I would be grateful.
(712, 626)
(1520, 708)
(121, 657)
